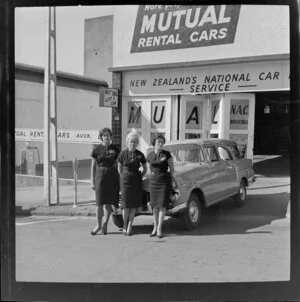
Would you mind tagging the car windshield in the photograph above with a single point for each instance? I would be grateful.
(185, 153)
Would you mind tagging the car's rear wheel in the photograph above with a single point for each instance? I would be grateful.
(241, 197)
(192, 215)
(118, 220)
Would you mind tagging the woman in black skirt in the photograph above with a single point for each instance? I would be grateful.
(160, 185)
(129, 162)
(105, 179)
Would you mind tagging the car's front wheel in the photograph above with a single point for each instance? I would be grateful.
(192, 215)
(241, 197)
(118, 220)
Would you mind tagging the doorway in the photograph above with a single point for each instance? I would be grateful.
(271, 130)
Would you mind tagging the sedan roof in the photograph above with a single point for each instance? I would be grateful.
(200, 141)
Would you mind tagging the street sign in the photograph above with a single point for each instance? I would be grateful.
(108, 97)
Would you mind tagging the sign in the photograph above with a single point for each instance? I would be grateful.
(215, 114)
(164, 27)
(134, 114)
(63, 136)
(158, 114)
(239, 114)
(108, 97)
(243, 77)
(193, 115)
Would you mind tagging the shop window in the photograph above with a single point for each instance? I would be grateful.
(192, 135)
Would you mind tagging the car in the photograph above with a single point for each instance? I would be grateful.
(207, 171)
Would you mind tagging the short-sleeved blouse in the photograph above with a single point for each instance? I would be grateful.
(105, 156)
(159, 162)
(132, 160)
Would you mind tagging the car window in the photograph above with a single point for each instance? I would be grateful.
(201, 155)
(185, 153)
(235, 151)
(211, 153)
(224, 154)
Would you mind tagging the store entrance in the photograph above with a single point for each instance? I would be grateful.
(271, 130)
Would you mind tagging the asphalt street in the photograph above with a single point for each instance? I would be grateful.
(231, 245)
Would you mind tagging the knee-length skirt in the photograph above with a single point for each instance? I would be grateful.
(107, 185)
(131, 190)
(160, 189)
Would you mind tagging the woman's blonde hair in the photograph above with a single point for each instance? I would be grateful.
(131, 135)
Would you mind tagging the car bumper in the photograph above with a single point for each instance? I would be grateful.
(251, 180)
(178, 208)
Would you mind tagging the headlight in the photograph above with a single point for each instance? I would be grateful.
(174, 195)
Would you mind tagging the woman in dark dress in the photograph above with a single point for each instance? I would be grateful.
(105, 179)
(129, 162)
(160, 185)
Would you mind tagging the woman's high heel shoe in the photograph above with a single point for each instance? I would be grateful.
(95, 231)
(104, 230)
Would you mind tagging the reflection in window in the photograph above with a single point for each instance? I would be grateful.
(224, 155)
(185, 153)
(235, 151)
(211, 154)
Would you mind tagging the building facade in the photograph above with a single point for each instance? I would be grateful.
(79, 116)
(203, 71)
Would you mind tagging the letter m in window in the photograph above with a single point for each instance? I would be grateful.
(134, 115)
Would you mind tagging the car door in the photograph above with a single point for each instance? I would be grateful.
(211, 183)
(228, 178)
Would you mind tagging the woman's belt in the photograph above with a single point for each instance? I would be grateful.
(126, 170)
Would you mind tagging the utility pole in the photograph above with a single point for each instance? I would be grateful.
(50, 116)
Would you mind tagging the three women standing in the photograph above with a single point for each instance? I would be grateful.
(105, 179)
(160, 186)
(130, 161)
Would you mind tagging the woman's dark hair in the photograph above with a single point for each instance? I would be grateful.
(156, 138)
(102, 131)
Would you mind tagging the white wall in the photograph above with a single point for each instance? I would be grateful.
(76, 109)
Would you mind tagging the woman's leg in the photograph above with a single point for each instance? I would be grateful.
(107, 212)
(155, 220)
(99, 215)
(131, 218)
(161, 216)
(125, 214)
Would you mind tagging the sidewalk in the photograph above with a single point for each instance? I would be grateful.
(29, 201)
(272, 172)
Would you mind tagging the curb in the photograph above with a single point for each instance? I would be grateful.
(20, 211)
(67, 210)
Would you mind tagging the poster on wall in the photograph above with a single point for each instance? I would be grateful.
(158, 114)
(215, 114)
(193, 115)
(164, 27)
(239, 114)
(134, 115)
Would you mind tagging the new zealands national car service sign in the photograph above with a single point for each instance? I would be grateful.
(163, 27)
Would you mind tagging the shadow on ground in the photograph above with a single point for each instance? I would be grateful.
(226, 218)
(273, 167)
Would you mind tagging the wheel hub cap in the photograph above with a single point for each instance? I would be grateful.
(242, 193)
(193, 211)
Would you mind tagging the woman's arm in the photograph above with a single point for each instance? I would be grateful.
(144, 169)
(120, 167)
(171, 166)
(93, 172)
